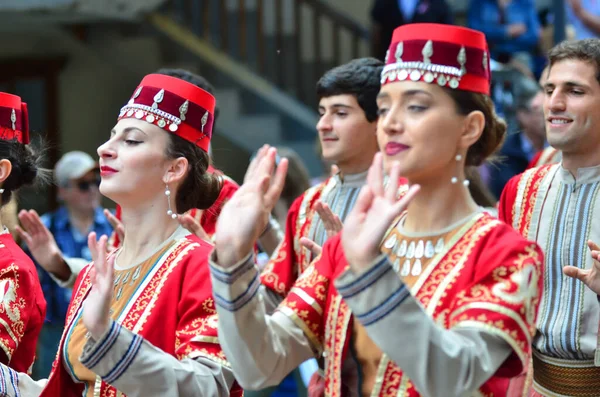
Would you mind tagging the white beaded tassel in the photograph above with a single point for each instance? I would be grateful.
(170, 211)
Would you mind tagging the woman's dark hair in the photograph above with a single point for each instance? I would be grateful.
(494, 131)
(26, 166)
(360, 77)
(479, 191)
(200, 189)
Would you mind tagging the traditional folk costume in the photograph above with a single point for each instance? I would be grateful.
(22, 303)
(448, 314)
(162, 339)
(545, 156)
(290, 258)
(550, 206)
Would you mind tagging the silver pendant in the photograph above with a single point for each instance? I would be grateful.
(204, 121)
(405, 268)
(439, 247)
(411, 250)
(125, 278)
(420, 249)
(158, 98)
(429, 250)
(403, 248)
(389, 243)
(416, 269)
(396, 265)
(183, 110)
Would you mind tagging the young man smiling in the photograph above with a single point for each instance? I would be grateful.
(347, 132)
(555, 206)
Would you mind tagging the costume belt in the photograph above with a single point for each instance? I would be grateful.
(558, 377)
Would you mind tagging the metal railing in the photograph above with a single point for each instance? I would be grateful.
(305, 33)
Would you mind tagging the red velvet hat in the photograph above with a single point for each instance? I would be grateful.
(450, 56)
(175, 106)
(14, 121)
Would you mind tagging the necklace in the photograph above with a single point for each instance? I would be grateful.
(410, 255)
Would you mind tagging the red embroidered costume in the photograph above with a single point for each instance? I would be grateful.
(449, 314)
(162, 338)
(22, 304)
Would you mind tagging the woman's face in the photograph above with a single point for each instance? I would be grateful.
(420, 128)
(133, 164)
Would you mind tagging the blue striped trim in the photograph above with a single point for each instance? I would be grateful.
(241, 300)
(14, 380)
(553, 280)
(384, 308)
(125, 361)
(365, 280)
(3, 379)
(230, 278)
(103, 346)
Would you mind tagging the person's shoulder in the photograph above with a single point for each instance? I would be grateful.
(503, 242)
(12, 255)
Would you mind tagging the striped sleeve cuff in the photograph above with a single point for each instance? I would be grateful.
(9, 382)
(373, 294)
(235, 287)
(112, 354)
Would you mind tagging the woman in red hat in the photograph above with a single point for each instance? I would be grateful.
(426, 295)
(22, 304)
(142, 321)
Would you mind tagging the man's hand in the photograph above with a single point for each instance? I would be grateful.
(590, 277)
(193, 226)
(116, 224)
(516, 29)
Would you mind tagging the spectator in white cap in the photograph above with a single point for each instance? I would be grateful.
(58, 242)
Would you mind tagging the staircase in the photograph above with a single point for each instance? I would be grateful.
(264, 57)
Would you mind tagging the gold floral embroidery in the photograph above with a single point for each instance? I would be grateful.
(268, 276)
(315, 281)
(137, 316)
(333, 350)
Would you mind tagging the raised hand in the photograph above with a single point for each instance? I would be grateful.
(41, 244)
(311, 245)
(590, 277)
(96, 309)
(576, 6)
(193, 226)
(375, 209)
(116, 224)
(331, 222)
(245, 216)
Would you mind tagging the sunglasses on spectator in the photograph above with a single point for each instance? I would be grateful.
(85, 186)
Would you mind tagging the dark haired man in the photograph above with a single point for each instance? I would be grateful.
(554, 205)
(347, 126)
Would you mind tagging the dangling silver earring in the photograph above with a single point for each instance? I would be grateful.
(1, 191)
(169, 211)
(454, 179)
